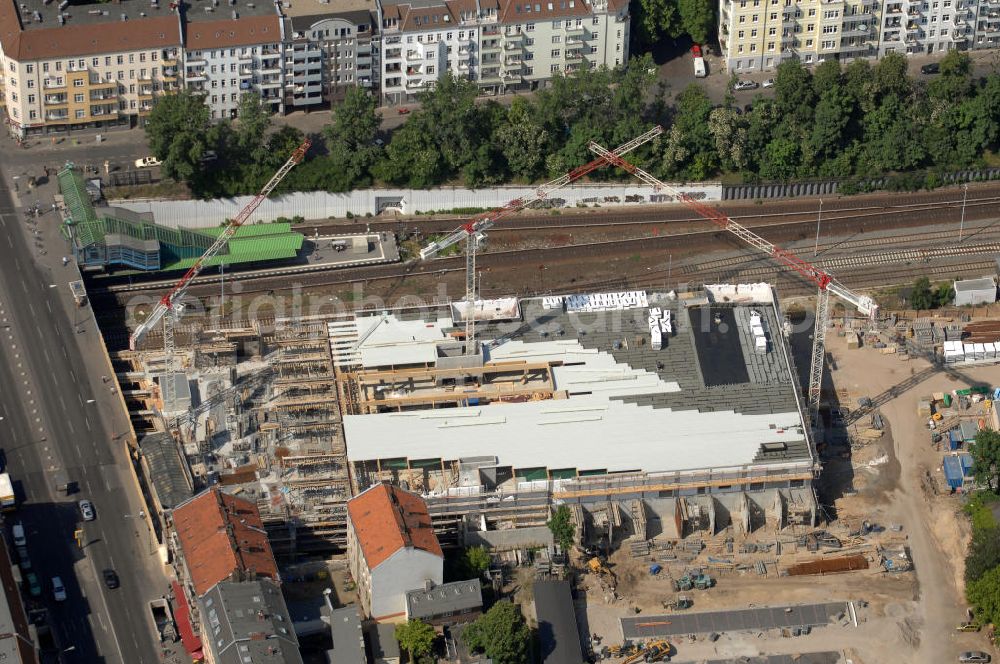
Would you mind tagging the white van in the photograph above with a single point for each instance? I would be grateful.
(700, 70)
(19, 538)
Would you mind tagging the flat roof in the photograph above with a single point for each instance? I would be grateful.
(446, 599)
(328, 9)
(984, 283)
(348, 639)
(623, 398)
(557, 627)
(166, 468)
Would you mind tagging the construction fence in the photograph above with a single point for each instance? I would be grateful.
(370, 202)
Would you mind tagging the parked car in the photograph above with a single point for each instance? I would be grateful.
(403, 111)
(700, 70)
(974, 657)
(87, 510)
(147, 162)
(745, 85)
(111, 579)
(932, 68)
(768, 83)
(19, 538)
(58, 589)
(208, 155)
(34, 587)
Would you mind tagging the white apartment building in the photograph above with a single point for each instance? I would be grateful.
(503, 46)
(64, 68)
(757, 35)
(226, 58)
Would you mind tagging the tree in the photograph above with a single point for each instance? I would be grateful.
(476, 559)
(177, 132)
(561, 525)
(252, 125)
(793, 93)
(986, 460)
(984, 553)
(920, 295)
(415, 637)
(653, 20)
(501, 634)
(350, 141)
(523, 141)
(697, 18)
(984, 595)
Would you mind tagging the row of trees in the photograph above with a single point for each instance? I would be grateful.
(982, 563)
(862, 120)
(656, 20)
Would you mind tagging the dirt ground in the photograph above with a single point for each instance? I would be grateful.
(909, 617)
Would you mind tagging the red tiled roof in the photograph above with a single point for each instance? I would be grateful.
(84, 39)
(228, 32)
(220, 535)
(182, 612)
(387, 519)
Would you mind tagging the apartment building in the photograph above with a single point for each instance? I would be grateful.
(503, 46)
(757, 35)
(328, 50)
(68, 67)
(227, 57)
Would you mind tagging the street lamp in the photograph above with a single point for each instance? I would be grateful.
(819, 217)
(961, 223)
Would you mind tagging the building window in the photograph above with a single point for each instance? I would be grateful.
(753, 33)
(529, 27)
(29, 68)
(33, 115)
(31, 83)
(770, 46)
(31, 99)
(78, 83)
(554, 68)
(78, 98)
(753, 48)
(121, 59)
(79, 114)
(556, 39)
(556, 53)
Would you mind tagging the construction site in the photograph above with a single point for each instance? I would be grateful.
(698, 436)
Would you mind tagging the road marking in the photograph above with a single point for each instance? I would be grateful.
(48, 306)
(31, 307)
(87, 420)
(72, 428)
(62, 403)
(64, 352)
(73, 374)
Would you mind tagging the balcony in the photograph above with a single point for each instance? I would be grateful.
(52, 84)
(244, 57)
(514, 37)
(196, 77)
(414, 56)
(170, 72)
(414, 71)
(57, 117)
(270, 83)
(513, 46)
(512, 60)
(393, 53)
(246, 71)
(196, 62)
(145, 92)
(787, 39)
(512, 77)
(576, 30)
(492, 75)
(101, 96)
(855, 30)
(414, 84)
(573, 55)
(491, 31)
(103, 111)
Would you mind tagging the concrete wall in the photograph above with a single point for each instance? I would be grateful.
(407, 569)
(323, 205)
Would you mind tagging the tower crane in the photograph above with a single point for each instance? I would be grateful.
(822, 279)
(474, 230)
(169, 306)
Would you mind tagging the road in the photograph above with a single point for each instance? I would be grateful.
(58, 414)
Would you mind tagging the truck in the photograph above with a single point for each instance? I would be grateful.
(700, 70)
(79, 292)
(7, 499)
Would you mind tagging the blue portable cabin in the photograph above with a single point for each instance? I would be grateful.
(953, 474)
(966, 461)
(954, 439)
